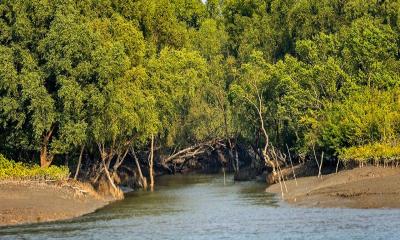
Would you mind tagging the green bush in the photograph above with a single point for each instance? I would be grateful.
(366, 118)
(11, 170)
(375, 153)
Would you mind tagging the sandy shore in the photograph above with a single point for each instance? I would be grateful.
(368, 187)
(32, 202)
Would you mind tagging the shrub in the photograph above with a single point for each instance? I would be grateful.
(11, 170)
(366, 120)
(375, 153)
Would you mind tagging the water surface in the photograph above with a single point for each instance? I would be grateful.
(202, 207)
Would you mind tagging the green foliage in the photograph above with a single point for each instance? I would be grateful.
(375, 153)
(210, 39)
(369, 52)
(175, 79)
(365, 117)
(10, 170)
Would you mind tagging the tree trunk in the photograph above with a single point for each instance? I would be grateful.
(337, 165)
(265, 149)
(120, 160)
(142, 178)
(103, 155)
(223, 170)
(151, 164)
(79, 163)
(45, 157)
(237, 160)
(66, 160)
(233, 160)
(108, 174)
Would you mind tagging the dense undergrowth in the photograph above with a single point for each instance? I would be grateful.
(11, 170)
(377, 154)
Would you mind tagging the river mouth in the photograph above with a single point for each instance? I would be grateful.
(199, 206)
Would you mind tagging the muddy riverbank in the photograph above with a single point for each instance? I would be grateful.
(368, 187)
(24, 202)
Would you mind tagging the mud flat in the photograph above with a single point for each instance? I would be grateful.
(32, 202)
(368, 187)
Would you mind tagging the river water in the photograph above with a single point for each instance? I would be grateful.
(202, 207)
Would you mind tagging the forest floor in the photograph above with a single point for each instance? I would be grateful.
(23, 202)
(368, 187)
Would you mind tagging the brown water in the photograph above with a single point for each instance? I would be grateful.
(202, 207)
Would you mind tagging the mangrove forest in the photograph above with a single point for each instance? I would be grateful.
(117, 92)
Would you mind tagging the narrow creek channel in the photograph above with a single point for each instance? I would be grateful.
(202, 207)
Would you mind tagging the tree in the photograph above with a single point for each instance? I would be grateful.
(370, 47)
(249, 91)
(176, 77)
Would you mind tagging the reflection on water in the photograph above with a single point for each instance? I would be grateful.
(202, 207)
